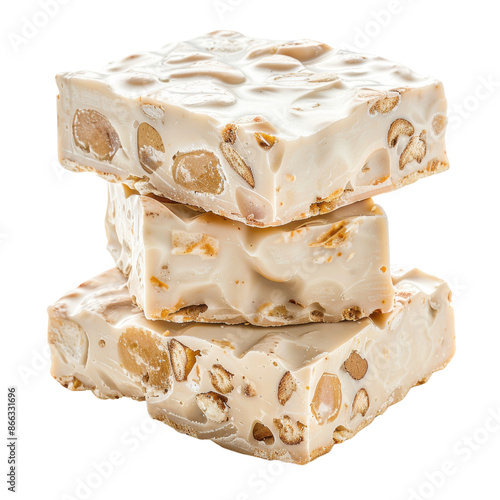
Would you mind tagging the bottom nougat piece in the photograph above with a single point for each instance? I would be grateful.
(287, 393)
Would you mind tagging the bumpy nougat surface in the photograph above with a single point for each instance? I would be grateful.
(287, 393)
(185, 265)
(260, 131)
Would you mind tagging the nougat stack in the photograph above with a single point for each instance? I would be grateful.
(253, 302)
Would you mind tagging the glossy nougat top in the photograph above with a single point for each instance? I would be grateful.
(260, 131)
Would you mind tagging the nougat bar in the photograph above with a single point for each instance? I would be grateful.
(186, 265)
(287, 393)
(260, 131)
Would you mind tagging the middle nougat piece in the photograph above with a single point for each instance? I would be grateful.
(188, 265)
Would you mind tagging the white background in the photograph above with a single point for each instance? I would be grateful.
(52, 238)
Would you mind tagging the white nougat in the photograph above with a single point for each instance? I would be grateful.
(260, 131)
(185, 265)
(287, 393)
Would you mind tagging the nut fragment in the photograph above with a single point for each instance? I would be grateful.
(438, 125)
(188, 313)
(144, 356)
(399, 127)
(324, 205)
(94, 133)
(214, 406)
(415, 150)
(290, 431)
(336, 236)
(341, 433)
(265, 141)
(360, 404)
(281, 312)
(150, 148)
(221, 379)
(182, 358)
(237, 163)
(250, 390)
(356, 366)
(158, 283)
(70, 340)
(352, 314)
(198, 171)
(262, 433)
(327, 398)
(386, 104)
(286, 388)
(195, 244)
(229, 133)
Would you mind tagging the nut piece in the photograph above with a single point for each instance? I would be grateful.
(158, 283)
(221, 379)
(229, 133)
(198, 171)
(188, 313)
(265, 141)
(340, 434)
(286, 388)
(182, 358)
(250, 390)
(280, 312)
(214, 406)
(195, 244)
(352, 314)
(144, 356)
(324, 205)
(70, 340)
(237, 163)
(150, 148)
(386, 104)
(415, 150)
(290, 431)
(336, 236)
(327, 399)
(356, 366)
(399, 127)
(360, 404)
(439, 122)
(94, 133)
(262, 433)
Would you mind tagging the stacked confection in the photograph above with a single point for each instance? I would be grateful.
(253, 302)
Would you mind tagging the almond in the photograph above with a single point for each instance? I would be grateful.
(290, 431)
(397, 128)
(182, 358)
(237, 163)
(150, 148)
(93, 133)
(356, 366)
(327, 399)
(214, 406)
(221, 379)
(286, 388)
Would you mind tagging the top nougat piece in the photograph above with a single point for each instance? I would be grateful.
(260, 131)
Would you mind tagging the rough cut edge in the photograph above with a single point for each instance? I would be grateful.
(142, 185)
(282, 455)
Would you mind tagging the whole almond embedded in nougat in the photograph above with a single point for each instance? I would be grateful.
(185, 265)
(260, 131)
(287, 393)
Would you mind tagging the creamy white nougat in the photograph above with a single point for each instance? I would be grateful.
(260, 131)
(185, 265)
(287, 393)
